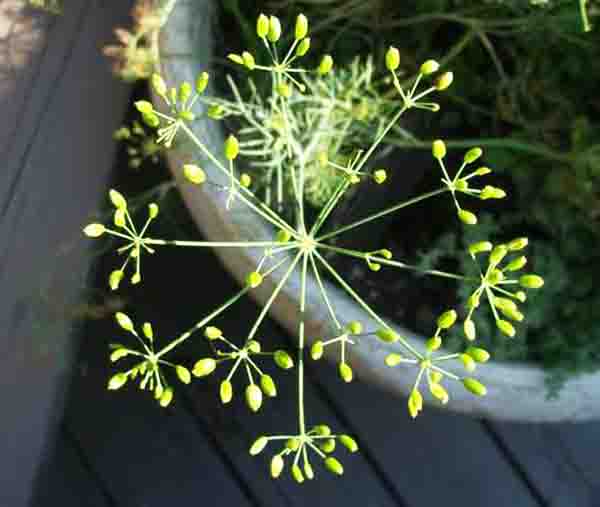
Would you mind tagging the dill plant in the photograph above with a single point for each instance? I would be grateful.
(298, 245)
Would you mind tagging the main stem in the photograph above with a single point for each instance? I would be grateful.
(301, 422)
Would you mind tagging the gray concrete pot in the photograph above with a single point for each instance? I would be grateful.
(516, 391)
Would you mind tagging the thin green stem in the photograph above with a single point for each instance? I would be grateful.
(323, 292)
(301, 421)
(219, 244)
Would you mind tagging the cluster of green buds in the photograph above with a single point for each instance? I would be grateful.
(411, 97)
(318, 440)
(352, 173)
(245, 357)
(497, 284)
(125, 229)
(141, 144)
(460, 183)
(148, 365)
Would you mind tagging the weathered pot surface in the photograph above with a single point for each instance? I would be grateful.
(516, 391)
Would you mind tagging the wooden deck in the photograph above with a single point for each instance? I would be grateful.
(120, 449)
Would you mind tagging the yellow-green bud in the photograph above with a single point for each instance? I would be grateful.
(297, 474)
(379, 176)
(259, 444)
(226, 391)
(215, 111)
(235, 58)
(283, 236)
(301, 27)
(531, 281)
(429, 67)
(506, 327)
(194, 174)
(447, 319)
(354, 327)
(393, 359)
(153, 210)
(253, 397)
(308, 471)
(276, 466)
(348, 442)
(119, 217)
(202, 82)
(144, 107)
(345, 372)
(436, 376)
(474, 386)
(521, 296)
(212, 332)
(472, 155)
(392, 58)
(498, 253)
(185, 91)
(387, 335)
(517, 244)
(117, 199)
(94, 230)
(438, 149)
(482, 171)
(495, 276)
(166, 397)
(480, 246)
(504, 303)
(183, 373)
(204, 367)
(303, 47)
(434, 343)
(268, 386)
(478, 354)
(159, 86)
(232, 148)
(248, 60)
(444, 81)
(274, 29)
(254, 279)
(245, 180)
(253, 346)
(415, 403)
(147, 330)
(124, 321)
(117, 381)
(469, 329)
(467, 217)
(283, 359)
(513, 313)
(262, 26)
(462, 185)
(468, 362)
(490, 192)
(115, 279)
(438, 391)
(326, 65)
(322, 430)
(334, 466)
(284, 90)
(316, 351)
(136, 278)
(118, 354)
(293, 444)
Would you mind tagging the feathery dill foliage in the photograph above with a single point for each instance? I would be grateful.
(298, 245)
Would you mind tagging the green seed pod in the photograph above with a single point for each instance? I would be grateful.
(345, 372)
(462, 185)
(436, 376)
(439, 392)
(274, 29)
(118, 354)
(438, 149)
(348, 442)
(498, 253)
(283, 236)
(185, 91)
(434, 343)
(94, 230)
(469, 329)
(504, 303)
(231, 148)
(521, 296)
(276, 466)
(392, 59)
(144, 107)
(259, 444)
(513, 314)
(212, 333)
(159, 86)
(117, 199)
(303, 47)
(173, 93)
(117, 381)
(115, 279)
(245, 180)
(166, 397)
(284, 90)
(301, 29)
(204, 367)
(447, 319)
(429, 67)
(136, 278)
(474, 386)
(124, 321)
(354, 327)
(482, 171)
(490, 192)
(387, 335)
(297, 474)
(518, 244)
(326, 65)
(444, 81)
(147, 330)
(393, 359)
(236, 58)
(415, 403)
(328, 445)
(472, 155)
(216, 112)
(152, 121)
(283, 359)
(308, 471)
(253, 397)
(531, 281)
(187, 115)
(253, 346)
(268, 385)
(293, 444)
(194, 174)
(262, 26)
(379, 176)
(202, 82)
(153, 210)
(183, 373)
(478, 354)
(316, 351)
(322, 430)
(517, 264)
(468, 362)
(506, 327)
(473, 301)
(334, 466)
(226, 391)
(467, 217)
(254, 279)
(248, 60)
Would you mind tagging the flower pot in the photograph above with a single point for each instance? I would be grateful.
(516, 391)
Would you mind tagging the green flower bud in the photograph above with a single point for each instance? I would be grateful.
(415, 403)
(303, 47)
(268, 386)
(253, 346)
(490, 192)
(379, 176)
(429, 67)
(185, 91)
(166, 397)
(504, 303)
(259, 444)
(119, 217)
(506, 327)
(385, 334)
(194, 174)
(328, 445)
(236, 58)
(283, 236)
(94, 230)
(117, 381)
(159, 86)
(144, 107)
(521, 296)
(444, 81)
(480, 246)
(392, 59)
(436, 376)
(517, 264)
(117, 199)
(434, 343)
(215, 111)
(232, 148)
(283, 359)
(518, 244)
(447, 319)
(474, 386)
(254, 279)
(393, 359)
(293, 444)
(245, 180)
(115, 279)
(248, 60)
(472, 155)
(462, 185)
(284, 90)
(183, 373)
(124, 321)
(468, 362)
(301, 27)
(438, 149)
(297, 474)
(153, 210)
(334, 466)
(274, 29)
(482, 171)
(147, 330)
(276, 466)
(469, 329)
(136, 278)
(226, 391)
(118, 354)
(316, 351)
(322, 430)
(202, 82)
(478, 354)
(212, 333)
(531, 281)
(151, 120)
(467, 217)
(513, 314)
(262, 26)
(348, 442)
(345, 372)
(326, 65)
(498, 253)
(439, 392)
(308, 471)
(354, 327)
(253, 397)
(204, 367)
